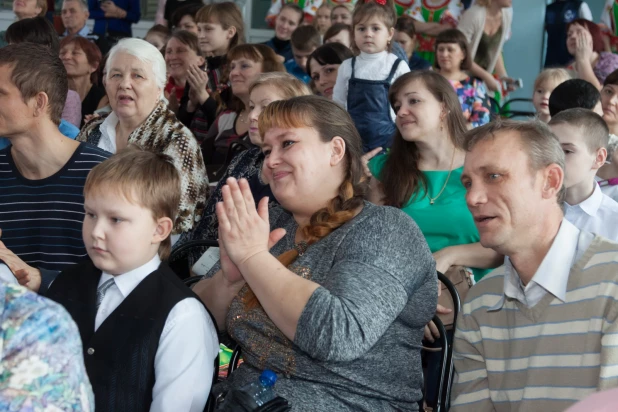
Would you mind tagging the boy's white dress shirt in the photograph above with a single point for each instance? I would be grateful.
(184, 363)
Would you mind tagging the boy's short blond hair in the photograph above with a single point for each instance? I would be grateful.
(553, 75)
(144, 178)
(593, 128)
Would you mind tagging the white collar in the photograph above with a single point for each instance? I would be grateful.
(591, 205)
(553, 273)
(373, 56)
(108, 133)
(129, 280)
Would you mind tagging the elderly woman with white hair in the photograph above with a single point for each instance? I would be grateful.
(135, 76)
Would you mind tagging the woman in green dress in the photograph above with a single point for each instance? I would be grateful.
(421, 173)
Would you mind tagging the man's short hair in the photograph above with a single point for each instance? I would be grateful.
(540, 143)
(592, 126)
(34, 30)
(83, 4)
(306, 38)
(572, 94)
(36, 68)
(144, 178)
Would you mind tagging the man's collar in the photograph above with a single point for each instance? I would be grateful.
(83, 32)
(553, 273)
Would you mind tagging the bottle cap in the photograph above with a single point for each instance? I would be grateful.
(268, 378)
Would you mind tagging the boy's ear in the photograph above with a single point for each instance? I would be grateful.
(163, 230)
(600, 158)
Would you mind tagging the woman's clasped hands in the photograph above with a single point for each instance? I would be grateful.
(244, 230)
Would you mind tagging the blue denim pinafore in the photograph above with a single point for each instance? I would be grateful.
(370, 109)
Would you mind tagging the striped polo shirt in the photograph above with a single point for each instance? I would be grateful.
(515, 358)
(41, 220)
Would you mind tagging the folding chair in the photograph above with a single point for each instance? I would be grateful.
(440, 405)
(505, 110)
(450, 364)
(179, 265)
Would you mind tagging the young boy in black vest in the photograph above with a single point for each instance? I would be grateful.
(149, 343)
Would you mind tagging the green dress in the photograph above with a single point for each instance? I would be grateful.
(447, 222)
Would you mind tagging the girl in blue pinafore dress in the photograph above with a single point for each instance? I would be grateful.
(363, 81)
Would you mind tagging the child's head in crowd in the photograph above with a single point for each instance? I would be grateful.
(158, 35)
(374, 26)
(289, 19)
(184, 18)
(575, 93)
(544, 85)
(339, 33)
(131, 202)
(322, 18)
(341, 14)
(220, 27)
(405, 34)
(304, 41)
(583, 136)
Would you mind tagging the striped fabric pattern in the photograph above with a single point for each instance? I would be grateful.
(543, 358)
(41, 220)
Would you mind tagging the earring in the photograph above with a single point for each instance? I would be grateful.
(441, 126)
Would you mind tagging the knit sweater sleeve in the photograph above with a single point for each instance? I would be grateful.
(340, 91)
(187, 158)
(471, 387)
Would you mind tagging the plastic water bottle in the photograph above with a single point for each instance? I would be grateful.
(251, 396)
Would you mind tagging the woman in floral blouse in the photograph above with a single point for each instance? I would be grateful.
(452, 58)
(40, 355)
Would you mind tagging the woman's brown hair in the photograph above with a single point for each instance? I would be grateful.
(329, 120)
(188, 39)
(92, 52)
(454, 36)
(401, 178)
(227, 14)
(258, 53)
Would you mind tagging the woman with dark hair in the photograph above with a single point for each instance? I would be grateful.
(585, 43)
(323, 65)
(246, 63)
(340, 291)
(452, 61)
(81, 59)
(421, 173)
(181, 53)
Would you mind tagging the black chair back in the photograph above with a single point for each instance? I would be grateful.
(444, 367)
(450, 366)
(177, 259)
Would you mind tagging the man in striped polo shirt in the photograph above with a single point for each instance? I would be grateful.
(540, 332)
(42, 173)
